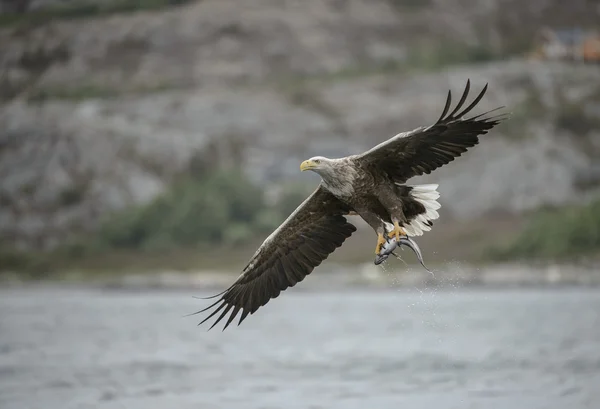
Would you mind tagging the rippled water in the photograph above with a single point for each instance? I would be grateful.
(360, 349)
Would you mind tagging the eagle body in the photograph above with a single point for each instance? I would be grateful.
(371, 194)
(371, 185)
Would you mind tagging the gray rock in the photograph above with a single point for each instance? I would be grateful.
(103, 112)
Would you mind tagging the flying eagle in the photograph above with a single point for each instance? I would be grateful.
(370, 185)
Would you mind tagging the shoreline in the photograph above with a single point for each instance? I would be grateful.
(453, 275)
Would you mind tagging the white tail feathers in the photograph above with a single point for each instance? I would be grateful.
(427, 195)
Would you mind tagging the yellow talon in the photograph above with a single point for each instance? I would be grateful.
(397, 232)
(380, 242)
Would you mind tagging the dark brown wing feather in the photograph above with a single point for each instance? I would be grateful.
(425, 149)
(315, 229)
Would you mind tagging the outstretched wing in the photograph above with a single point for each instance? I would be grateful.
(312, 232)
(427, 148)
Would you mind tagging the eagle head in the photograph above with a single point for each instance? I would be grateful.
(318, 164)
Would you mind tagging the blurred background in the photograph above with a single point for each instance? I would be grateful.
(153, 144)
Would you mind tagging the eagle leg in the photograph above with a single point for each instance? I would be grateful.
(380, 242)
(397, 231)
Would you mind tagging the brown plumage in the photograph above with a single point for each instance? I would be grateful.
(424, 149)
(369, 185)
(289, 254)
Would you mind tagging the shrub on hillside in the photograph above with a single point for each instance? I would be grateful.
(554, 234)
(223, 207)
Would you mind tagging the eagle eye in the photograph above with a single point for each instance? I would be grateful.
(317, 160)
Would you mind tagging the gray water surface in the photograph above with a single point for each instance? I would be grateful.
(62, 349)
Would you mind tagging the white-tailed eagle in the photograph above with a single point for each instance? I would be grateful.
(370, 185)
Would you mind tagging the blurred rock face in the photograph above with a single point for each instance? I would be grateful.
(101, 113)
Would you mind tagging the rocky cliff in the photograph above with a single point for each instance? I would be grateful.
(100, 113)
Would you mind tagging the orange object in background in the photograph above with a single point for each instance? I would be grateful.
(591, 48)
(573, 44)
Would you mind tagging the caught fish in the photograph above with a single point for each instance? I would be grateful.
(391, 245)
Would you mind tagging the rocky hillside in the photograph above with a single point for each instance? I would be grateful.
(99, 113)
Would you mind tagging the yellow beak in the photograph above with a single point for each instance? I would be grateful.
(307, 165)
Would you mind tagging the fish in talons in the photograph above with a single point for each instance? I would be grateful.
(392, 243)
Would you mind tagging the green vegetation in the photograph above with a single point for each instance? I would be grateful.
(530, 109)
(82, 10)
(90, 91)
(221, 208)
(439, 56)
(193, 223)
(302, 90)
(574, 118)
(429, 57)
(74, 194)
(564, 233)
(410, 5)
(11, 259)
(310, 99)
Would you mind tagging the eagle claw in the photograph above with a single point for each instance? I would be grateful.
(381, 240)
(396, 232)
